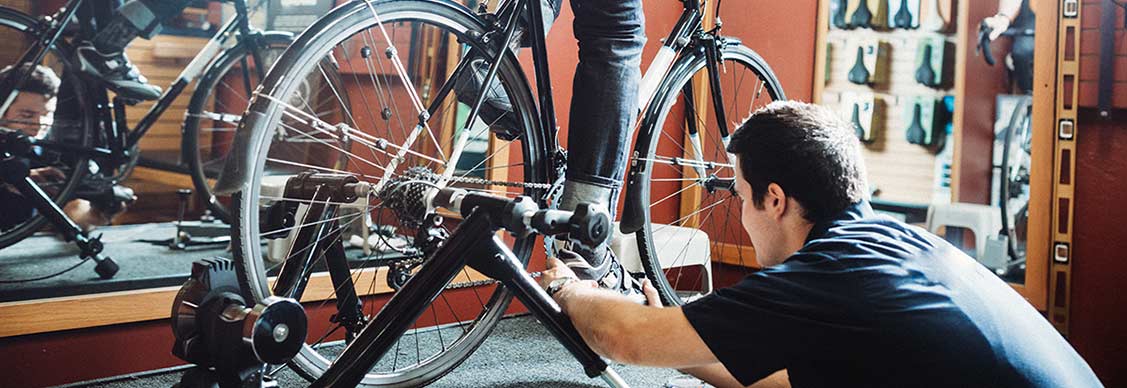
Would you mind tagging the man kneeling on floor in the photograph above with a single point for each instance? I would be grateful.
(846, 297)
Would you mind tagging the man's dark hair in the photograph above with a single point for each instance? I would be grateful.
(808, 151)
(42, 80)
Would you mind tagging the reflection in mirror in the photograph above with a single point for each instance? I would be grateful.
(940, 94)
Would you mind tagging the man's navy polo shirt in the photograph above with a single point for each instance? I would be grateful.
(870, 301)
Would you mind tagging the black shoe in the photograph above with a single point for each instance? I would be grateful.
(496, 109)
(116, 72)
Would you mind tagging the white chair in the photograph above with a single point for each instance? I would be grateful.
(677, 247)
(984, 221)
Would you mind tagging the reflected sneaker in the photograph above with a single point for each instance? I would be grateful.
(496, 109)
(116, 72)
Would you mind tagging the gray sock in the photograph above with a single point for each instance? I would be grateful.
(575, 193)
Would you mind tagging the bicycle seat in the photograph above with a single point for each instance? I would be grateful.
(862, 17)
(859, 74)
(925, 75)
(916, 133)
(903, 18)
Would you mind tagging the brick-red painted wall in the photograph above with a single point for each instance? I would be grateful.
(1099, 267)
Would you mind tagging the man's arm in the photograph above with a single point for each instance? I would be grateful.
(622, 330)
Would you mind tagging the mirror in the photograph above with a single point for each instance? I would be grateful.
(949, 129)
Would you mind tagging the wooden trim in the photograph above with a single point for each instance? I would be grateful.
(820, 57)
(1039, 240)
(1063, 200)
(961, 36)
(734, 254)
(111, 308)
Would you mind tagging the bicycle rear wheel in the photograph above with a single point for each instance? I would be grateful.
(685, 184)
(429, 38)
(70, 123)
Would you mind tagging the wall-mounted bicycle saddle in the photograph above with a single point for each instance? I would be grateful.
(838, 19)
(858, 129)
(903, 17)
(925, 75)
(916, 132)
(862, 17)
(859, 74)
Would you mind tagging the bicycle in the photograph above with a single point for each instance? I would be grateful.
(88, 138)
(416, 127)
(1013, 182)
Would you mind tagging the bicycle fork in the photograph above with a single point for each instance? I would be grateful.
(487, 254)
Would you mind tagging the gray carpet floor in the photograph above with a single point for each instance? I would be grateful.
(143, 264)
(519, 353)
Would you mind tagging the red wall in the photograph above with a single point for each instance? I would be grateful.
(1099, 267)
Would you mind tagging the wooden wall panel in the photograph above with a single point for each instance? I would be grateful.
(161, 60)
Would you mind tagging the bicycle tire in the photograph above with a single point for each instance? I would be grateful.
(336, 27)
(75, 168)
(271, 45)
(651, 134)
(1020, 119)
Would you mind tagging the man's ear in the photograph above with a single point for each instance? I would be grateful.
(775, 201)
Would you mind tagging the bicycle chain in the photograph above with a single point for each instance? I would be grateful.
(485, 282)
(484, 182)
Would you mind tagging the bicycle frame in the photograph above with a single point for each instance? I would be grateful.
(120, 140)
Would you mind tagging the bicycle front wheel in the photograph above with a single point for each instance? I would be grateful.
(216, 108)
(67, 120)
(685, 182)
(393, 58)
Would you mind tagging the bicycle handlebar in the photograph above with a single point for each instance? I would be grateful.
(984, 31)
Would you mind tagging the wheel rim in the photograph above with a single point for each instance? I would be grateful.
(356, 64)
(1014, 183)
(692, 221)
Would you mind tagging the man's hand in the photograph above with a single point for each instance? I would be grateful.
(999, 23)
(45, 174)
(556, 269)
(652, 298)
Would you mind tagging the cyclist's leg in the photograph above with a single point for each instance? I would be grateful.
(135, 18)
(611, 35)
(1022, 54)
(104, 56)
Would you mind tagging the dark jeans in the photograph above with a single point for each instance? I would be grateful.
(1022, 53)
(611, 34)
